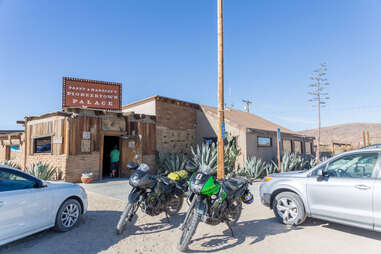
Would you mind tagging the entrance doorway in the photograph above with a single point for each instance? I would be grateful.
(108, 146)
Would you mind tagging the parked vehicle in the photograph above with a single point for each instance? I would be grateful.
(154, 194)
(29, 205)
(212, 202)
(345, 189)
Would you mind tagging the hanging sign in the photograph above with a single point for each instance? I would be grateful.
(279, 138)
(223, 130)
(83, 93)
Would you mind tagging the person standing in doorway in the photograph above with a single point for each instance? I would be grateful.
(114, 155)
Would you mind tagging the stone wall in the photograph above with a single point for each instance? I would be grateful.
(78, 164)
(175, 127)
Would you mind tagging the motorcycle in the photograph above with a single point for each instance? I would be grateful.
(154, 194)
(212, 202)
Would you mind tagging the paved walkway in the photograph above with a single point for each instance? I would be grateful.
(118, 188)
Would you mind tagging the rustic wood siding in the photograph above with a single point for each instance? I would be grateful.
(148, 133)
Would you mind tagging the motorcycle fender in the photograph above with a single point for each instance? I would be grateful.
(201, 207)
(134, 196)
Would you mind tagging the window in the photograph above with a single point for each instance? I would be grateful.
(14, 151)
(297, 146)
(42, 145)
(264, 141)
(11, 182)
(210, 141)
(354, 166)
(287, 148)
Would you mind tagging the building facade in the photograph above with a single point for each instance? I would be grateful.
(181, 125)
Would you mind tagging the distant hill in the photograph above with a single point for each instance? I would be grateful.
(350, 133)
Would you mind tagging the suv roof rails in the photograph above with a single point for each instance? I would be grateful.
(371, 146)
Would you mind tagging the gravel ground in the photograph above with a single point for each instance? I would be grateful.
(256, 232)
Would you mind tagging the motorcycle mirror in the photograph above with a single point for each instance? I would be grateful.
(190, 166)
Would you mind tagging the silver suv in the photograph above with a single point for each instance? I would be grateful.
(345, 189)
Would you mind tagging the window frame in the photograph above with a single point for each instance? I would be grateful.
(51, 144)
(260, 145)
(376, 169)
(37, 182)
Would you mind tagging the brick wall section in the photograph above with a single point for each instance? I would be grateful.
(78, 164)
(57, 161)
(175, 127)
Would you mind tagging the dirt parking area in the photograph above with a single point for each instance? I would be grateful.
(256, 232)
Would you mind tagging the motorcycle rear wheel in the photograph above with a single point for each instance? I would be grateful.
(124, 218)
(189, 229)
(174, 205)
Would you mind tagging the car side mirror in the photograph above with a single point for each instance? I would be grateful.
(40, 184)
(320, 173)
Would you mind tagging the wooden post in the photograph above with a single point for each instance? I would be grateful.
(220, 43)
(363, 138)
(332, 147)
(278, 148)
(367, 138)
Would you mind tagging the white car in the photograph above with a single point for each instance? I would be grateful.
(29, 205)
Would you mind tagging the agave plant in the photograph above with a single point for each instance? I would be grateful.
(175, 162)
(11, 163)
(255, 168)
(205, 155)
(42, 170)
(161, 159)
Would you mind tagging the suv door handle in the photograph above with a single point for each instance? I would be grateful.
(362, 187)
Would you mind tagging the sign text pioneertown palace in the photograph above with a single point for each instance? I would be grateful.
(83, 93)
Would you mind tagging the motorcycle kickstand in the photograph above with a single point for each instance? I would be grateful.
(231, 230)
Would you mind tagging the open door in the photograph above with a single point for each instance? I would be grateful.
(130, 148)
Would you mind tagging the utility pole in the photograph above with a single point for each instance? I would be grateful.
(247, 107)
(318, 85)
(363, 138)
(220, 44)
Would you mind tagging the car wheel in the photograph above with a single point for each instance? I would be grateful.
(68, 215)
(289, 209)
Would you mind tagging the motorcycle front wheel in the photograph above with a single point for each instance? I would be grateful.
(125, 218)
(188, 231)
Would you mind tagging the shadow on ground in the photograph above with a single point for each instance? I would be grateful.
(257, 229)
(95, 233)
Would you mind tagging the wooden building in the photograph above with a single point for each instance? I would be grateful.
(80, 138)
(79, 141)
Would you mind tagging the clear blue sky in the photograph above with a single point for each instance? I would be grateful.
(169, 47)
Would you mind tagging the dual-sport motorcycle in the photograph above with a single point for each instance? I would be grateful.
(212, 202)
(154, 194)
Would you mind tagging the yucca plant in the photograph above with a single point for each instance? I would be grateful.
(42, 171)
